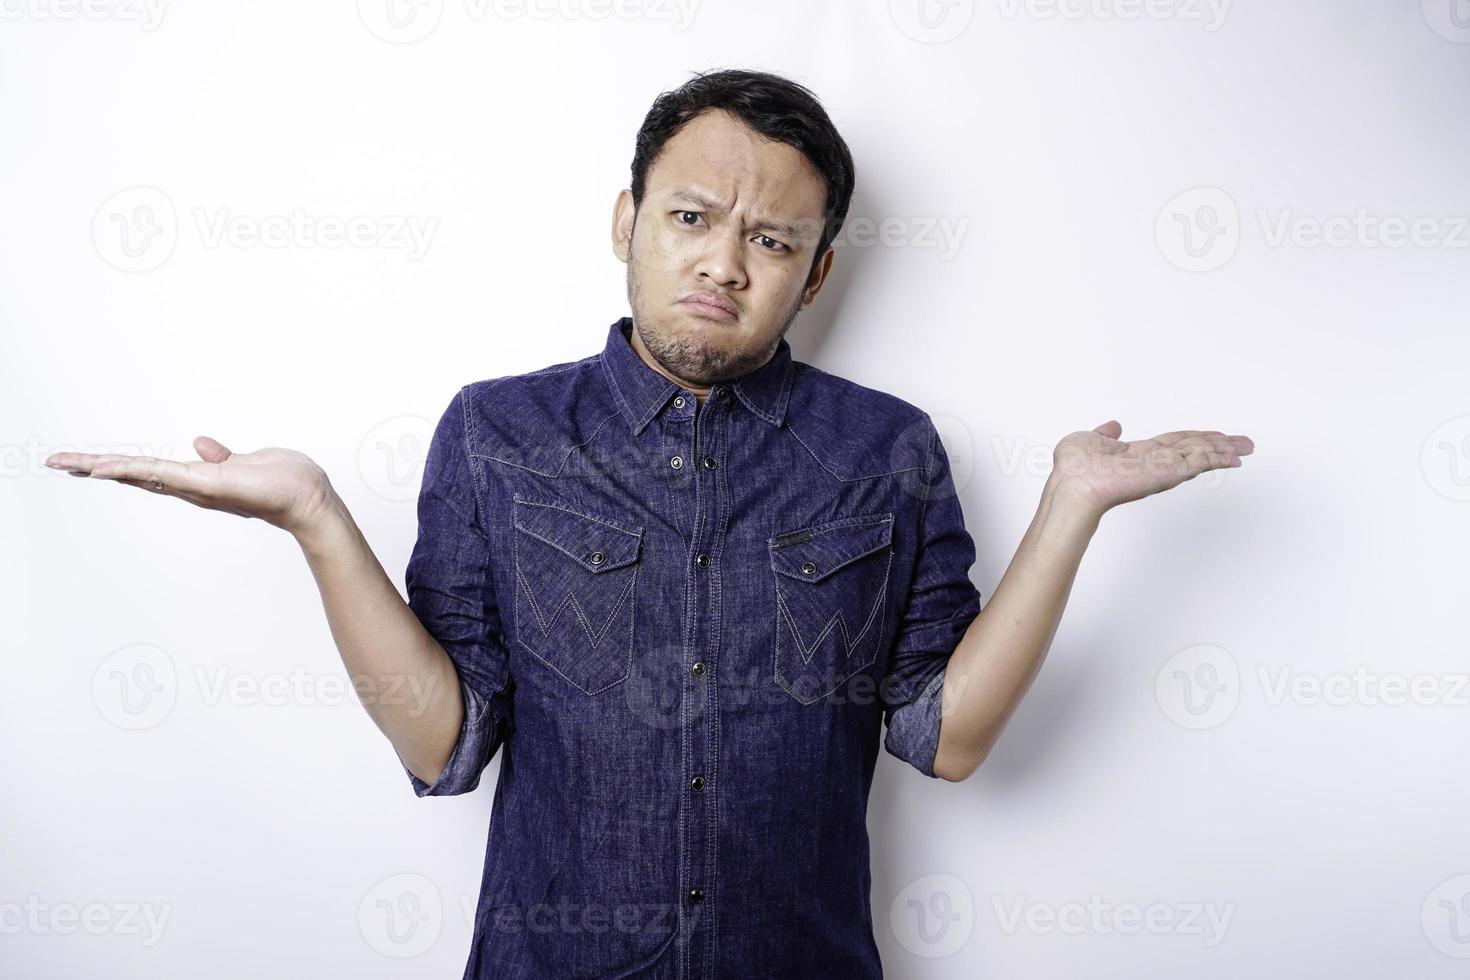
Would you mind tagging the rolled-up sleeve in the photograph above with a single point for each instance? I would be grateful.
(942, 602)
(451, 591)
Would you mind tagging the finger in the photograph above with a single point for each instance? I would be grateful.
(1240, 445)
(1173, 439)
(82, 462)
(1112, 429)
(1210, 455)
(170, 473)
(1229, 448)
(1215, 442)
(211, 450)
(1226, 444)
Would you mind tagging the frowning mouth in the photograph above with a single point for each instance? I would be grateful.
(711, 305)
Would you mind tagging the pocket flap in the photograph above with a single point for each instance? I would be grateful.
(594, 543)
(813, 553)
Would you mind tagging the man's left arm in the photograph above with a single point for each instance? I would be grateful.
(1002, 650)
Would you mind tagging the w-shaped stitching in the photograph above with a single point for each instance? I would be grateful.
(544, 623)
(837, 620)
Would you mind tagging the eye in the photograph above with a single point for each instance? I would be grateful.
(778, 246)
(680, 215)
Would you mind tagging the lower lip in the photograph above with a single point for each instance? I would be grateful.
(713, 312)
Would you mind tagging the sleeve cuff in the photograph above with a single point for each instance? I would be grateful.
(471, 753)
(913, 728)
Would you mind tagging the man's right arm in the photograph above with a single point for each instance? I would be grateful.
(434, 672)
(403, 677)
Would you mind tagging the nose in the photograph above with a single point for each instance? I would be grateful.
(722, 262)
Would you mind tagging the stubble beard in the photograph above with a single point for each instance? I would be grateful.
(698, 362)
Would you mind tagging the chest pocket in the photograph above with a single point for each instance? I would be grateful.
(576, 578)
(831, 590)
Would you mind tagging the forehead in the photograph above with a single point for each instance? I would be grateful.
(718, 155)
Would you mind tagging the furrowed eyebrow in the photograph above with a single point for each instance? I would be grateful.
(764, 224)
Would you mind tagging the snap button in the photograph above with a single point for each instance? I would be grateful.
(696, 895)
(709, 462)
(698, 668)
(807, 568)
(679, 401)
(697, 783)
(596, 557)
(702, 561)
(677, 462)
(720, 392)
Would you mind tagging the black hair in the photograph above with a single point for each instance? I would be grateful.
(777, 108)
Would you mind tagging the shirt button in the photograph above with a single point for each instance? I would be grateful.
(720, 392)
(679, 401)
(696, 895)
(698, 668)
(677, 462)
(596, 557)
(702, 561)
(807, 568)
(697, 783)
(709, 462)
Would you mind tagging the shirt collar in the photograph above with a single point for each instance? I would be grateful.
(642, 392)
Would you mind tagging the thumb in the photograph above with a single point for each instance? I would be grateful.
(211, 450)
(1112, 428)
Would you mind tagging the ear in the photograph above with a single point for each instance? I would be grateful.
(622, 226)
(817, 277)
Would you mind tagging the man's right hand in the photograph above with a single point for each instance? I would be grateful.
(279, 486)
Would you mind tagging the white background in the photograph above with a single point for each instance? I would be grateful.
(1158, 769)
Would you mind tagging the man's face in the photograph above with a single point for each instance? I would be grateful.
(730, 216)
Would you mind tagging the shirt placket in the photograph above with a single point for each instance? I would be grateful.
(701, 704)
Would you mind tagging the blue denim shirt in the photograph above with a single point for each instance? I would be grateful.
(681, 625)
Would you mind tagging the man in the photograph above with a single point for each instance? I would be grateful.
(680, 584)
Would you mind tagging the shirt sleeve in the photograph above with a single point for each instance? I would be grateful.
(942, 601)
(451, 592)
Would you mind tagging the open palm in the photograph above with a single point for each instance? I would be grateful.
(280, 486)
(1113, 472)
